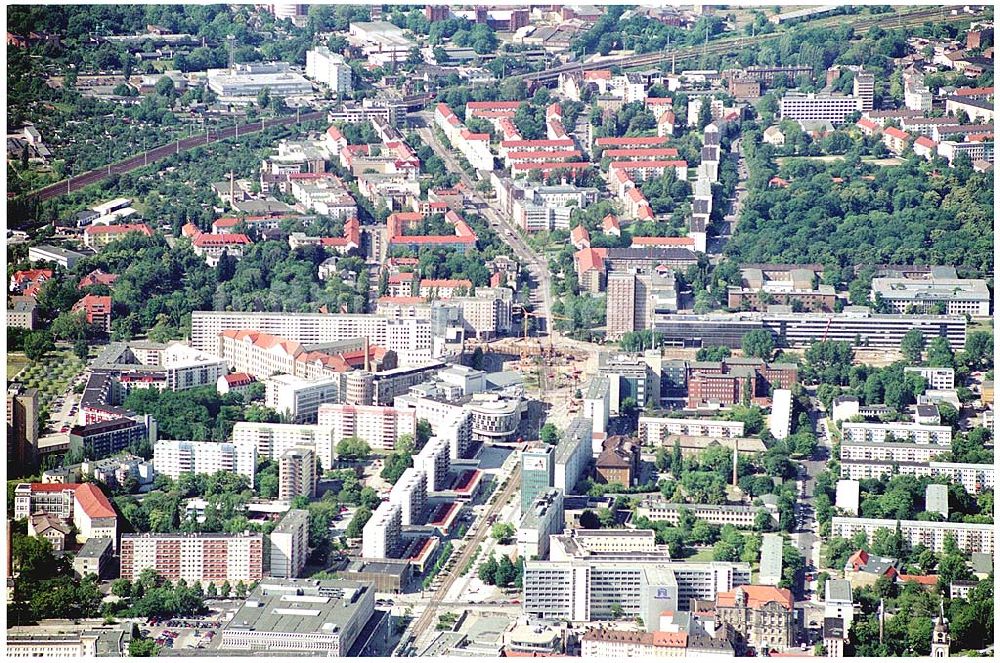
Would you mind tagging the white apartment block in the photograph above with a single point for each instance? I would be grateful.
(382, 532)
(410, 494)
(573, 453)
(271, 441)
(487, 315)
(737, 515)
(655, 430)
(194, 558)
(175, 457)
(290, 545)
(899, 431)
(188, 367)
(898, 452)
(937, 378)
(379, 426)
(916, 95)
(582, 542)
(835, 108)
(409, 337)
(974, 478)
(434, 461)
(328, 68)
(298, 398)
(970, 537)
(780, 419)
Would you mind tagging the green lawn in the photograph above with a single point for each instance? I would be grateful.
(830, 158)
(981, 326)
(700, 556)
(15, 362)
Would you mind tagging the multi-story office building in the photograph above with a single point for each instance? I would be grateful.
(408, 337)
(781, 284)
(243, 82)
(329, 69)
(864, 89)
(297, 473)
(175, 457)
(380, 427)
(608, 545)
(299, 399)
(656, 430)
(631, 376)
(537, 474)
(67, 641)
(937, 378)
(953, 296)
(895, 452)
(434, 460)
(572, 454)
(897, 431)
(305, 616)
(636, 298)
(200, 558)
(410, 494)
(973, 477)
(856, 325)
(290, 544)
(583, 591)
(544, 518)
(738, 515)
(273, 440)
(381, 534)
(970, 537)
(732, 381)
(832, 107)
(22, 428)
(597, 403)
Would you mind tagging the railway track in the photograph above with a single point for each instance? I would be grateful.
(162, 152)
(861, 23)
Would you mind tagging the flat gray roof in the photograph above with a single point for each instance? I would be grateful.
(293, 519)
(839, 590)
(299, 606)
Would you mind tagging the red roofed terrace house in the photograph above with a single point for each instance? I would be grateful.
(398, 223)
(97, 277)
(351, 241)
(96, 237)
(211, 246)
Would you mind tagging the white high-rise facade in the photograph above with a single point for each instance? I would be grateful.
(329, 68)
(175, 457)
(380, 427)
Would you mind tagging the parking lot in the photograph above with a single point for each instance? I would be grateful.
(183, 633)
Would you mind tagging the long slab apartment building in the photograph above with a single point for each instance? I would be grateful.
(409, 337)
(798, 330)
(200, 558)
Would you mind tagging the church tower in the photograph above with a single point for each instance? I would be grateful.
(941, 638)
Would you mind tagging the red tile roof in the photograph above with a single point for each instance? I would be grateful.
(662, 241)
(401, 300)
(220, 239)
(264, 341)
(590, 259)
(552, 165)
(559, 142)
(631, 140)
(93, 502)
(756, 597)
(926, 580)
(578, 235)
(897, 133)
(641, 152)
(97, 277)
(493, 105)
(239, 379)
(119, 230)
(54, 487)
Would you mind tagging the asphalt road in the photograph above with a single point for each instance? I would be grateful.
(423, 624)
